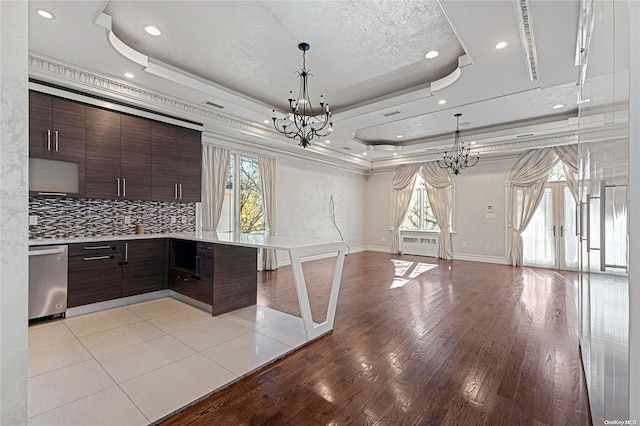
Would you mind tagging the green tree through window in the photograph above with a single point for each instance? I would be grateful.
(251, 214)
(420, 214)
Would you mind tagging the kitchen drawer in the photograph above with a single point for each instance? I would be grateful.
(95, 249)
(94, 278)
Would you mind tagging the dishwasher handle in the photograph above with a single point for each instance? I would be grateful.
(47, 251)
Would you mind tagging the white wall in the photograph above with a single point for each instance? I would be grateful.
(475, 188)
(303, 192)
(14, 131)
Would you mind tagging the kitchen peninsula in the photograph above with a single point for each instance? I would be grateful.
(233, 255)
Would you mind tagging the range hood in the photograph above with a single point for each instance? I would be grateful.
(53, 177)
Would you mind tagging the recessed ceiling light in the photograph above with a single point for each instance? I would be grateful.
(399, 136)
(473, 142)
(442, 101)
(266, 121)
(152, 30)
(558, 106)
(395, 154)
(432, 54)
(364, 153)
(45, 14)
(327, 141)
(129, 75)
(501, 45)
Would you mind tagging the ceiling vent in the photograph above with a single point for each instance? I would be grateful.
(213, 104)
(525, 136)
(390, 113)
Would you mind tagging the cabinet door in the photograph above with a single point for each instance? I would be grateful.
(94, 278)
(189, 164)
(164, 163)
(102, 153)
(135, 157)
(235, 278)
(205, 273)
(69, 136)
(40, 125)
(143, 267)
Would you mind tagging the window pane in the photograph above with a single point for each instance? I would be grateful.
(557, 173)
(251, 216)
(412, 220)
(430, 223)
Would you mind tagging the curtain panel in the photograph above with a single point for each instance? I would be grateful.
(527, 181)
(403, 182)
(439, 192)
(215, 170)
(267, 167)
(568, 154)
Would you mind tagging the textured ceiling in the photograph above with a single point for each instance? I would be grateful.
(360, 50)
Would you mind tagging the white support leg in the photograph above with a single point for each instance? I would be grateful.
(312, 330)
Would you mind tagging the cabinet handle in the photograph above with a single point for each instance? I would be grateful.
(97, 247)
(48, 139)
(180, 190)
(175, 191)
(562, 230)
(554, 231)
(197, 272)
(63, 194)
(96, 258)
(124, 187)
(126, 253)
(118, 181)
(56, 134)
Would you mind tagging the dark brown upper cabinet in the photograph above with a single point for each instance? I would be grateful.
(176, 163)
(135, 157)
(103, 154)
(57, 132)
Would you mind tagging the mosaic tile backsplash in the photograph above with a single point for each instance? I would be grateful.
(79, 217)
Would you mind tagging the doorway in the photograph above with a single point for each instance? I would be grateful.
(550, 239)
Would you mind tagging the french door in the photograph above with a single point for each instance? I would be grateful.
(550, 238)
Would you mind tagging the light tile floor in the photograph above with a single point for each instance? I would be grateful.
(137, 364)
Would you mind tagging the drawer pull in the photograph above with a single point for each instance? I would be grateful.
(97, 247)
(97, 258)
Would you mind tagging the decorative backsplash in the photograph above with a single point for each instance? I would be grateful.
(79, 217)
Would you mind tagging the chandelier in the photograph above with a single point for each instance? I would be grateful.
(301, 122)
(458, 158)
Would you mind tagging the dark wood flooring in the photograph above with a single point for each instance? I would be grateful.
(418, 341)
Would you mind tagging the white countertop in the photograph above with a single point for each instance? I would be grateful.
(227, 238)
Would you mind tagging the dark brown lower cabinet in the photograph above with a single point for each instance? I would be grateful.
(144, 266)
(94, 278)
(222, 276)
(113, 269)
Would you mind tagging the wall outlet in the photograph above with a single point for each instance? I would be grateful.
(173, 219)
(184, 220)
(383, 239)
(33, 220)
(127, 220)
(464, 244)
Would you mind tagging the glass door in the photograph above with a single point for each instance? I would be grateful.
(550, 238)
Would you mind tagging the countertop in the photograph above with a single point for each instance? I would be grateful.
(227, 238)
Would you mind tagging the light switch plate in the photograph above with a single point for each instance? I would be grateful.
(33, 220)
(127, 220)
(184, 220)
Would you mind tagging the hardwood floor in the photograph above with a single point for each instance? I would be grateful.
(419, 341)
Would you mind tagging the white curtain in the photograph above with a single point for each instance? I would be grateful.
(527, 179)
(215, 170)
(569, 156)
(403, 183)
(439, 191)
(267, 168)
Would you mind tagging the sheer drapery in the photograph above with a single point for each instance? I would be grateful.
(403, 182)
(267, 168)
(527, 180)
(569, 156)
(439, 192)
(215, 170)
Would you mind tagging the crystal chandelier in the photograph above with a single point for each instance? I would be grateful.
(458, 157)
(301, 122)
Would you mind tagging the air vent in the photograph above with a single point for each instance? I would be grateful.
(390, 113)
(346, 148)
(213, 105)
(525, 136)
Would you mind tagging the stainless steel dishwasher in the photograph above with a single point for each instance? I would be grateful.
(48, 273)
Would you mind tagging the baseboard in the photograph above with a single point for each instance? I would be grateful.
(381, 249)
(116, 303)
(481, 258)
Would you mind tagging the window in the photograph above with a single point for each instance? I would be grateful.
(557, 173)
(242, 210)
(420, 215)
